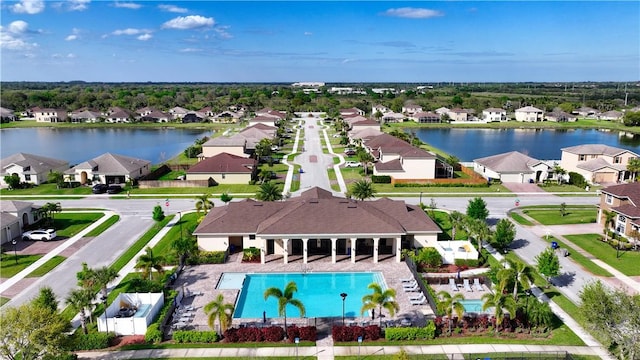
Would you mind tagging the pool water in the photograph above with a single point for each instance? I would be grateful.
(475, 306)
(319, 292)
(143, 310)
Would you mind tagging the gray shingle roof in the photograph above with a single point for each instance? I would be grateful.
(223, 163)
(13, 205)
(513, 161)
(36, 162)
(599, 149)
(109, 163)
(600, 163)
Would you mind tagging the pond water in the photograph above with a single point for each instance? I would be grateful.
(78, 145)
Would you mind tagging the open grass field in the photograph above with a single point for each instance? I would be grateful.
(189, 222)
(627, 263)
(427, 191)
(140, 243)
(572, 216)
(69, 224)
(9, 267)
(47, 189)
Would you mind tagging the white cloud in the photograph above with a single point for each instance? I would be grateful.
(11, 37)
(188, 22)
(78, 5)
(186, 50)
(71, 37)
(127, 5)
(130, 31)
(308, 33)
(18, 27)
(222, 32)
(172, 8)
(28, 7)
(413, 13)
(144, 37)
(71, 55)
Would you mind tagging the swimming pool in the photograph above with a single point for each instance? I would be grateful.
(475, 306)
(319, 292)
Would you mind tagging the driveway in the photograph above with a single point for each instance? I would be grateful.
(312, 160)
(524, 189)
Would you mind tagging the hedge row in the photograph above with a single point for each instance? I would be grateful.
(352, 333)
(153, 334)
(253, 334)
(195, 336)
(479, 185)
(411, 333)
(381, 179)
(207, 257)
(304, 333)
(467, 262)
(91, 341)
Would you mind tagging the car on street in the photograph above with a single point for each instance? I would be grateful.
(40, 234)
(350, 152)
(99, 188)
(113, 189)
(275, 148)
(337, 135)
(352, 164)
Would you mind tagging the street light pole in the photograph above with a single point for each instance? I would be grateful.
(297, 340)
(527, 292)
(359, 343)
(344, 296)
(15, 251)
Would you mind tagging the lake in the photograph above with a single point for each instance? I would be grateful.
(542, 144)
(78, 145)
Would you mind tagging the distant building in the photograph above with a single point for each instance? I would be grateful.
(494, 114)
(30, 168)
(529, 114)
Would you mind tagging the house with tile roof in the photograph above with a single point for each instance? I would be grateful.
(494, 114)
(264, 120)
(613, 115)
(155, 116)
(118, 115)
(224, 168)
(559, 116)
(598, 163)
(178, 112)
(586, 112)
(86, 116)
(529, 114)
(193, 117)
(227, 117)
(15, 216)
(392, 117)
(512, 167)
(351, 111)
(411, 109)
(459, 114)
(363, 134)
(379, 109)
(624, 201)
(30, 168)
(240, 144)
(317, 223)
(425, 117)
(51, 115)
(7, 115)
(400, 160)
(109, 169)
(365, 124)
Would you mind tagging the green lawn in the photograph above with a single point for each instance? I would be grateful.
(104, 226)
(442, 219)
(189, 222)
(520, 219)
(8, 266)
(555, 188)
(69, 224)
(140, 244)
(214, 190)
(573, 216)
(4, 300)
(627, 263)
(47, 266)
(580, 259)
(48, 189)
(496, 189)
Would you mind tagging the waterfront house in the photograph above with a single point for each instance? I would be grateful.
(392, 117)
(598, 163)
(146, 111)
(109, 169)
(118, 115)
(442, 110)
(400, 160)
(86, 116)
(624, 201)
(15, 216)
(612, 115)
(7, 115)
(178, 112)
(224, 168)
(317, 223)
(494, 114)
(193, 117)
(379, 109)
(459, 114)
(586, 112)
(207, 111)
(30, 168)
(529, 114)
(50, 115)
(234, 144)
(411, 109)
(155, 116)
(559, 116)
(227, 117)
(425, 117)
(512, 167)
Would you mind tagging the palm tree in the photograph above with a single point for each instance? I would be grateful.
(56, 177)
(184, 247)
(217, 309)
(103, 276)
(478, 230)
(633, 166)
(203, 203)
(499, 301)
(450, 304)
(148, 262)
(365, 158)
(608, 222)
(381, 299)
(457, 219)
(539, 314)
(362, 189)
(49, 209)
(559, 171)
(269, 192)
(285, 298)
(79, 300)
(518, 272)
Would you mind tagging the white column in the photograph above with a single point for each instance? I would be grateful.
(333, 250)
(305, 248)
(376, 242)
(285, 248)
(353, 250)
(398, 242)
(263, 251)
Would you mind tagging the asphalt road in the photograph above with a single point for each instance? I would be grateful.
(312, 160)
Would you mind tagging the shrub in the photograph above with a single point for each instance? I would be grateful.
(469, 263)
(195, 336)
(64, 356)
(429, 257)
(577, 179)
(231, 335)
(273, 333)
(92, 341)
(372, 332)
(308, 333)
(250, 334)
(158, 213)
(351, 333)
(207, 257)
(250, 254)
(138, 285)
(412, 333)
(381, 179)
(153, 335)
(471, 185)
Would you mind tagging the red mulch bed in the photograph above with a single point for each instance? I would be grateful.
(127, 340)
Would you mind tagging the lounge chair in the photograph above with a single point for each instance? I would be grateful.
(415, 287)
(476, 284)
(410, 284)
(452, 285)
(467, 286)
(416, 296)
(418, 302)
(407, 280)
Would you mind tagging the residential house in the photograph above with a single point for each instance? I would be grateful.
(442, 110)
(411, 109)
(86, 116)
(400, 160)
(494, 114)
(51, 115)
(207, 111)
(624, 201)
(612, 115)
(559, 116)
(227, 117)
(264, 120)
(193, 117)
(459, 115)
(317, 223)
(586, 112)
(118, 115)
(224, 168)
(255, 133)
(365, 124)
(425, 117)
(529, 114)
(268, 112)
(7, 115)
(30, 168)
(379, 109)
(109, 169)
(15, 216)
(512, 167)
(363, 134)
(598, 163)
(234, 145)
(178, 112)
(392, 117)
(142, 112)
(352, 119)
(156, 116)
(351, 112)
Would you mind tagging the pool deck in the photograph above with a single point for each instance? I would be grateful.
(202, 280)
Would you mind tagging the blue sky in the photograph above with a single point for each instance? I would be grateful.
(342, 41)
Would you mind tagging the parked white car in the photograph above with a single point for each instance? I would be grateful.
(40, 234)
(352, 164)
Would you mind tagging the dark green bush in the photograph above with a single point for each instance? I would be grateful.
(479, 185)
(195, 336)
(153, 335)
(65, 356)
(577, 179)
(411, 333)
(381, 179)
(467, 262)
(92, 341)
(250, 254)
(207, 257)
(428, 257)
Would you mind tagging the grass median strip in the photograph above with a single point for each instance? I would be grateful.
(520, 219)
(11, 264)
(572, 216)
(624, 261)
(140, 244)
(104, 226)
(47, 266)
(580, 259)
